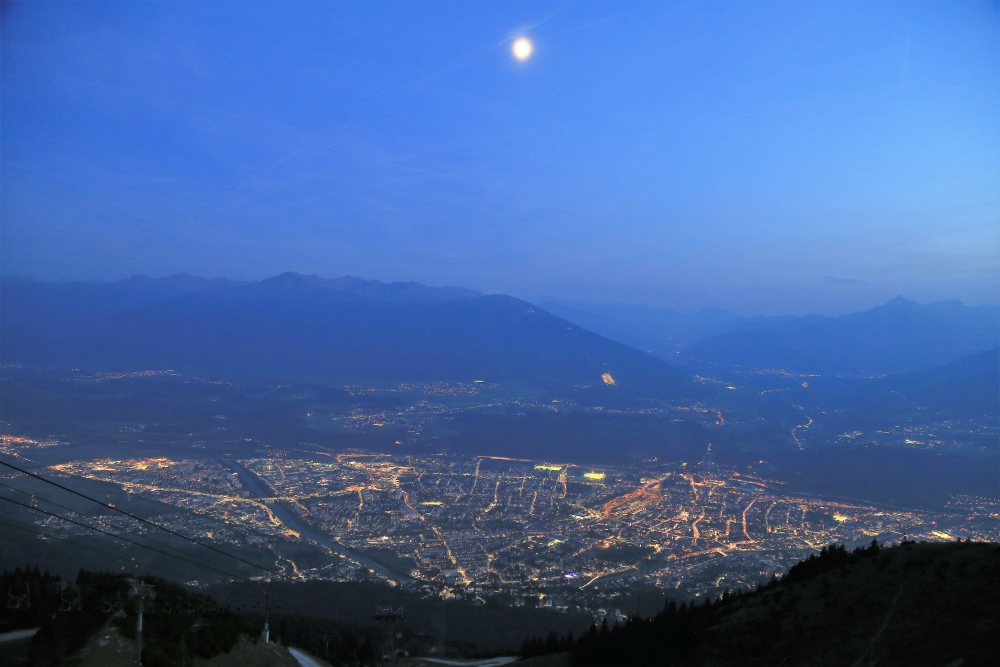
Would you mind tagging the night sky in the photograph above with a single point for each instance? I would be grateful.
(763, 157)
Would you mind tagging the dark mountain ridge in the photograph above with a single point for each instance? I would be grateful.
(306, 327)
(913, 604)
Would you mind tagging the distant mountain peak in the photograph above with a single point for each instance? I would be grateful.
(900, 302)
(177, 283)
(175, 278)
(373, 290)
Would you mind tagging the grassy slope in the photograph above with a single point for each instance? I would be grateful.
(109, 648)
(14, 653)
(247, 654)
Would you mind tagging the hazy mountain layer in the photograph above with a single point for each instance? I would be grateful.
(898, 337)
(659, 331)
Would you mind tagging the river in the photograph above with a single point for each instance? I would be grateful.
(287, 516)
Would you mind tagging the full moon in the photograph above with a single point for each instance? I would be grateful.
(522, 48)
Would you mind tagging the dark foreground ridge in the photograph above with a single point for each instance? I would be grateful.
(93, 620)
(914, 604)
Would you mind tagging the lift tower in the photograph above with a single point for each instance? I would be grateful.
(266, 634)
(388, 616)
(141, 591)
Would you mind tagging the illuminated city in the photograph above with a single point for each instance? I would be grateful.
(496, 525)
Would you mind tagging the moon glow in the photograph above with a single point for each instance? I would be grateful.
(522, 48)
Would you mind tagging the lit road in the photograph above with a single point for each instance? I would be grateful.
(16, 635)
(303, 658)
(489, 662)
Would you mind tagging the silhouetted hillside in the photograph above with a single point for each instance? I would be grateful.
(966, 387)
(916, 604)
(305, 327)
(898, 337)
(969, 386)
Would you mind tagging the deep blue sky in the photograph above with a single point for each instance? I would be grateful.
(767, 158)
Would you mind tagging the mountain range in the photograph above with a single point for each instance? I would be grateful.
(308, 328)
(353, 330)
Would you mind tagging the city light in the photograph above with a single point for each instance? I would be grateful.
(687, 524)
